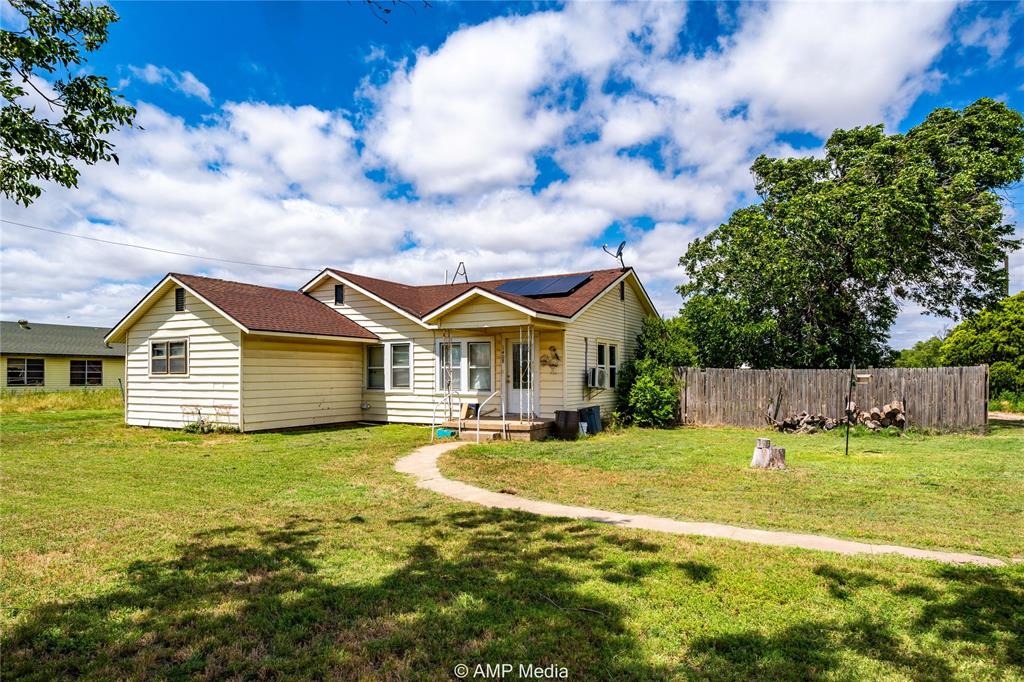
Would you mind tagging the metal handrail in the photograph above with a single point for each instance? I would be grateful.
(480, 411)
(433, 413)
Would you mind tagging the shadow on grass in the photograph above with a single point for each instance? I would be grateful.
(979, 612)
(250, 602)
(490, 587)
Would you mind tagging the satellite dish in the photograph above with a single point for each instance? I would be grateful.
(618, 253)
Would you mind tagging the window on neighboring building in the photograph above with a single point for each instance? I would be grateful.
(86, 372)
(168, 357)
(179, 300)
(480, 365)
(339, 294)
(401, 365)
(375, 368)
(25, 371)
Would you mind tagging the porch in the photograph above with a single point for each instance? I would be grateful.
(495, 428)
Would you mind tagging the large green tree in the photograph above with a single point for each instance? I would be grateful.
(814, 274)
(42, 62)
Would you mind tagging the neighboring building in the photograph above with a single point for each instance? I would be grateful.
(348, 347)
(58, 357)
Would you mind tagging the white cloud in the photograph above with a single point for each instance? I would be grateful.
(184, 82)
(463, 124)
(992, 34)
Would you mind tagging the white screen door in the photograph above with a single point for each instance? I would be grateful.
(517, 376)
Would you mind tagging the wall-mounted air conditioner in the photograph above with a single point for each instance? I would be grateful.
(597, 377)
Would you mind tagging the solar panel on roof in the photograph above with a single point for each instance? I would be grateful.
(547, 286)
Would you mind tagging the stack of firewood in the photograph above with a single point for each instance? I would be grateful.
(890, 414)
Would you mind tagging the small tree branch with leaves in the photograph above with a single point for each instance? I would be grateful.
(39, 145)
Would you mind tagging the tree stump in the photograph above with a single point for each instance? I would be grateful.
(777, 460)
(762, 453)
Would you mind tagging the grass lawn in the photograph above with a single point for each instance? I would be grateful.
(131, 553)
(961, 492)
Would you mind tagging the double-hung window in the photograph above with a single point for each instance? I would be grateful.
(401, 366)
(86, 372)
(376, 373)
(389, 367)
(168, 357)
(449, 376)
(479, 365)
(608, 360)
(464, 365)
(25, 371)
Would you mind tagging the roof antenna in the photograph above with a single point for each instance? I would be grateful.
(617, 254)
(461, 270)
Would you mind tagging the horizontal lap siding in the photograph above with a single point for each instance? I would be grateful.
(481, 313)
(212, 384)
(57, 373)
(551, 378)
(608, 320)
(413, 406)
(298, 383)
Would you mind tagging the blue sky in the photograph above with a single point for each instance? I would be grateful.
(515, 137)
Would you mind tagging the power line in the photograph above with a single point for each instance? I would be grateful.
(152, 248)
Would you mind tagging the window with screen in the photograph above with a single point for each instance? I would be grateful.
(450, 366)
(401, 365)
(375, 373)
(86, 372)
(480, 365)
(25, 371)
(168, 357)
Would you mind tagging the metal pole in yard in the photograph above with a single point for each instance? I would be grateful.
(849, 398)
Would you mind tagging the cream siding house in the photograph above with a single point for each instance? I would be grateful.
(58, 357)
(348, 347)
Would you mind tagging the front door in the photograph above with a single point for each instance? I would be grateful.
(518, 378)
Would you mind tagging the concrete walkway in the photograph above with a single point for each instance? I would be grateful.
(422, 465)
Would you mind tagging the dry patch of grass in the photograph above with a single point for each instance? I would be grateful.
(24, 402)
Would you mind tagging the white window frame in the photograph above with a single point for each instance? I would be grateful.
(167, 358)
(389, 374)
(389, 367)
(366, 372)
(463, 343)
(608, 365)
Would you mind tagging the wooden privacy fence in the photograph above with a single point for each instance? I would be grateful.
(946, 398)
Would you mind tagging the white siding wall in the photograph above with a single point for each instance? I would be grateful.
(289, 383)
(416, 405)
(212, 384)
(608, 320)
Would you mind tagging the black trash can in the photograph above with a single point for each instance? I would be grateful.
(567, 424)
(591, 416)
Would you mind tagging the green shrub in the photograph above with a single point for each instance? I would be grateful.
(1007, 401)
(654, 396)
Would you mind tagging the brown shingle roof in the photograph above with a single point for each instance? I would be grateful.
(274, 310)
(421, 300)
